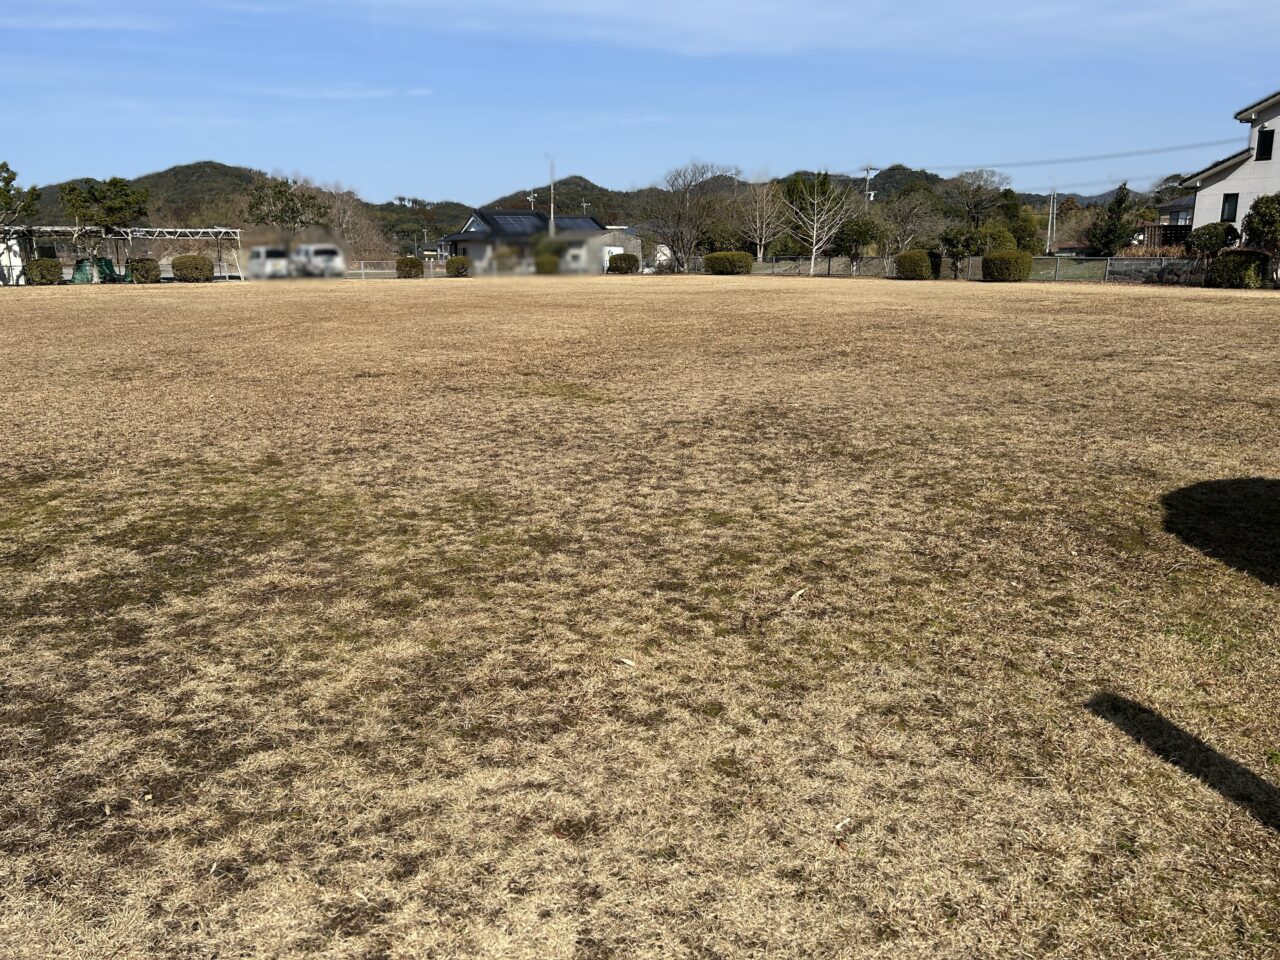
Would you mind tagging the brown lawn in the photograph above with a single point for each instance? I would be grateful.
(639, 618)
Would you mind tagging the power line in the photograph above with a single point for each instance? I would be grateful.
(1150, 151)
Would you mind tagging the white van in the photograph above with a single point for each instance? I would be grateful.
(268, 262)
(317, 260)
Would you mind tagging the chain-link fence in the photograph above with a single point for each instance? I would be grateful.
(1077, 269)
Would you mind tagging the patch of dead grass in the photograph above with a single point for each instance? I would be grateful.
(684, 618)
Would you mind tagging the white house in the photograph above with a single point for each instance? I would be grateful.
(1225, 190)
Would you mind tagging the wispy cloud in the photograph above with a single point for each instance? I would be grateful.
(716, 27)
(89, 24)
(334, 94)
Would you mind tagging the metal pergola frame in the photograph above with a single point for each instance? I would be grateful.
(129, 234)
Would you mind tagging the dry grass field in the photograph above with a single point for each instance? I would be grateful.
(639, 618)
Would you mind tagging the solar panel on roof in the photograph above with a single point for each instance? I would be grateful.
(518, 224)
(576, 223)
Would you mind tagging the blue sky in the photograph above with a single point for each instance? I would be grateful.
(465, 99)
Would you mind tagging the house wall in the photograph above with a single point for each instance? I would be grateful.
(480, 252)
(1251, 179)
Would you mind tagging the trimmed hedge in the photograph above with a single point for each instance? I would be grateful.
(192, 268)
(408, 268)
(1238, 270)
(1211, 239)
(727, 263)
(44, 272)
(144, 270)
(546, 263)
(913, 265)
(458, 267)
(935, 264)
(1006, 266)
(624, 263)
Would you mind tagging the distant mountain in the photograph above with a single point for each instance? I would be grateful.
(203, 194)
(208, 193)
(607, 206)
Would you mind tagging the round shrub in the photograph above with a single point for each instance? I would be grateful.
(458, 267)
(624, 263)
(44, 272)
(1006, 266)
(144, 270)
(1238, 270)
(408, 268)
(546, 263)
(730, 262)
(935, 264)
(1211, 239)
(192, 268)
(914, 265)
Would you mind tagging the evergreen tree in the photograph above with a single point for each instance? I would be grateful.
(1115, 226)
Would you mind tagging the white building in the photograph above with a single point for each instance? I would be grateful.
(1225, 190)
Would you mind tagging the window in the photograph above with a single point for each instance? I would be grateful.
(1266, 144)
(1230, 207)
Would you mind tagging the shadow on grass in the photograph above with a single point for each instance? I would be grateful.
(1191, 755)
(1234, 521)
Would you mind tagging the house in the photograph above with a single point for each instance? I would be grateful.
(1226, 189)
(1172, 224)
(504, 240)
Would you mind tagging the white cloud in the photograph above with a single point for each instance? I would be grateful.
(1061, 28)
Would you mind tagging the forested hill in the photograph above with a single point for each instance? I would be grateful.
(209, 193)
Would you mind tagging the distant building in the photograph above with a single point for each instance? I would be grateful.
(505, 239)
(1226, 189)
(1172, 224)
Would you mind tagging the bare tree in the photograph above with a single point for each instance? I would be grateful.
(761, 213)
(691, 201)
(975, 194)
(905, 218)
(349, 219)
(819, 207)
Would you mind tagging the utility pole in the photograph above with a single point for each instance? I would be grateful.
(585, 204)
(531, 198)
(869, 169)
(551, 225)
(1053, 222)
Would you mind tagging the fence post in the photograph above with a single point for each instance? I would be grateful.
(1106, 273)
(1057, 268)
(828, 266)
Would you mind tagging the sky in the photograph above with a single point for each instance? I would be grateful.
(468, 100)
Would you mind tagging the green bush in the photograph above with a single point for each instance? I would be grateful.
(1238, 270)
(1211, 239)
(458, 267)
(624, 263)
(144, 270)
(1262, 224)
(408, 268)
(44, 272)
(193, 268)
(935, 264)
(727, 263)
(914, 265)
(546, 263)
(1006, 266)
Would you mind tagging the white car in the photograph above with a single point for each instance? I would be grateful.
(268, 262)
(317, 260)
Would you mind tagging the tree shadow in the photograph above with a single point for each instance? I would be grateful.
(1234, 521)
(1192, 755)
